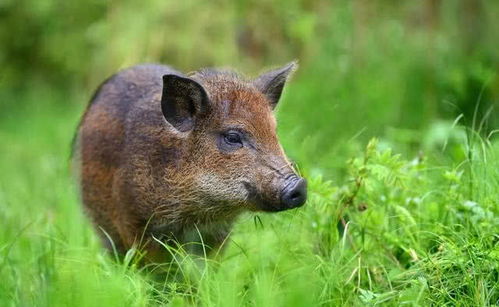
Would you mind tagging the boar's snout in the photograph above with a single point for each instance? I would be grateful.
(294, 193)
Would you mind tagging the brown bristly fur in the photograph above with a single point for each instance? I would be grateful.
(140, 177)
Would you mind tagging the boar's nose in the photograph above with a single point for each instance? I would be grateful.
(294, 194)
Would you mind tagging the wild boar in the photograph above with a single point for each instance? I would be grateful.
(167, 155)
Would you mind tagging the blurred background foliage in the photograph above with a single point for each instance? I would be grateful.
(387, 68)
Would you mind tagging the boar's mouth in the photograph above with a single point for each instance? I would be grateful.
(260, 202)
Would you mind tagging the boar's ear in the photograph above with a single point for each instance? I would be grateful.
(182, 101)
(272, 83)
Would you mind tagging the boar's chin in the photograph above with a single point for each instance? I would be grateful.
(268, 207)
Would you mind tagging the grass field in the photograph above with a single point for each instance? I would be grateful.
(390, 118)
(394, 229)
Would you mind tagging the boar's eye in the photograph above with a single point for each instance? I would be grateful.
(230, 140)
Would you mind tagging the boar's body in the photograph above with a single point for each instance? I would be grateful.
(154, 157)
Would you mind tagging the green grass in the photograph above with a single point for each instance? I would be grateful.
(394, 230)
